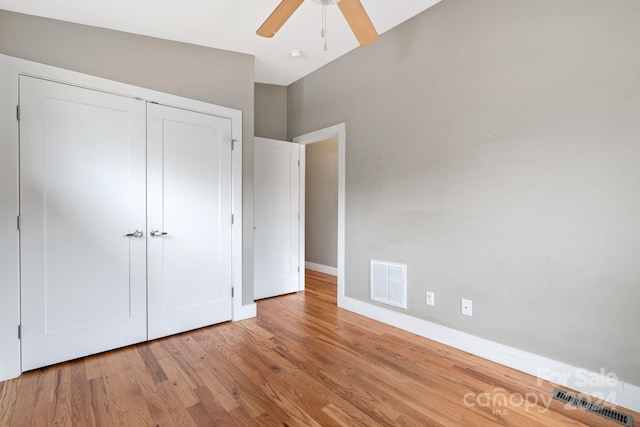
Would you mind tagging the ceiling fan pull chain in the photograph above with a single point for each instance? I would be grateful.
(324, 23)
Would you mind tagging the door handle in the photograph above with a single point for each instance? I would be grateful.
(156, 233)
(137, 234)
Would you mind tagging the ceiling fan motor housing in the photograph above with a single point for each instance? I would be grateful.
(326, 2)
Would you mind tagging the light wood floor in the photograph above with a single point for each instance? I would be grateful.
(301, 362)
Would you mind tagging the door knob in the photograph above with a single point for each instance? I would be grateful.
(156, 233)
(137, 234)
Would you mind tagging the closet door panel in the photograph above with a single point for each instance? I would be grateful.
(189, 220)
(82, 189)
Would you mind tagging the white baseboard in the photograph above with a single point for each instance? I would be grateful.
(601, 385)
(321, 268)
(246, 312)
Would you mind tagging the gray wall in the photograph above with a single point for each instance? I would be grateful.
(494, 147)
(271, 111)
(209, 75)
(321, 203)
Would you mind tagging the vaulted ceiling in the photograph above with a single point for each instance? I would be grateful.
(231, 25)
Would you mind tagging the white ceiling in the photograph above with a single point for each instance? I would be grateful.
(231, 25)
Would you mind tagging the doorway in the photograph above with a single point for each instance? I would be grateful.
(321, 206)
(335, 131)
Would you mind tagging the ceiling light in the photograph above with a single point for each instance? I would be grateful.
(295, 53)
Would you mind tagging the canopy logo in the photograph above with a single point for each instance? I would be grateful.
(500, 401)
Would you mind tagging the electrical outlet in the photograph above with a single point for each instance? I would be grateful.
(431, 298)
(466, 307)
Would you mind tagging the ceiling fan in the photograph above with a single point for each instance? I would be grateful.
(352, 10)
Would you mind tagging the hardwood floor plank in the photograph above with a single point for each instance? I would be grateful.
(282, 399)
(63, 412)
(126, 399)
(186, 354)
(44, 402)
(201, 416)
(318, 277)
(343, 386)
(148, 386)
(209, 406)
(177, 411)
(25, 396)
(100, 402)
(153, 366)
(342, 418)
(81, 410)
(179, 383)
(242, 419)
(245, 380)
(301, 362)
(158, 409)
(287, 387)
(157, 349)
(8, 399)
(92, 365)
(219, 392)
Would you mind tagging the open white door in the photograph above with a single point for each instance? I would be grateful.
(82, 190)
(189, 219)
(277, 266)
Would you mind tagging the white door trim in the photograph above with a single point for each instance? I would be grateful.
(303, 214)
(338, 130)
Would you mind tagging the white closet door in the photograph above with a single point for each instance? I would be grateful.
(189, 199)
(82, 188)
(276, 218)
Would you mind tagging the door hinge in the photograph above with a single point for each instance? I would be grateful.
(231, 292)
(18, 222)
(298, 163)
(298, 269)
(233, 144)
(18, 112)
(19, 332)
(232, 219)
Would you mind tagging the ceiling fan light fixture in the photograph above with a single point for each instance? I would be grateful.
(326, 2)
(295, 53)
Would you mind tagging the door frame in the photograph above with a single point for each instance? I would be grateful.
(10, 69)
(337, 130)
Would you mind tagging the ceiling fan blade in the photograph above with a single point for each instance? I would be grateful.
(359, 21)
(278, 17)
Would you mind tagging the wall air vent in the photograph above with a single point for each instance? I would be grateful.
(584, 404)
(389, 283)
